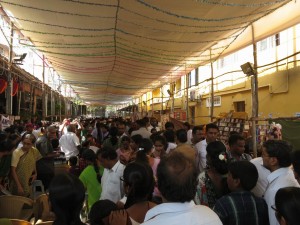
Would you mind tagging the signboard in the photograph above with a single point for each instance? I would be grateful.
(5, 122)
(17, 117)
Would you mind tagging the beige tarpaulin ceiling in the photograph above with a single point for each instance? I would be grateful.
(112, 50)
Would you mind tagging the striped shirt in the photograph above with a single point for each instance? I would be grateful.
(242, 208)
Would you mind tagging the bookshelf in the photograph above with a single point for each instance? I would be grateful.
(232, 122)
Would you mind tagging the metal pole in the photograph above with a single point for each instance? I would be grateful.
(152, 105)
(162, 99)
(59, 108)
(212, 97)
(52, 105)
(9, 77)
(43, 94)
(173, 99)
(186, 94)
(142, 108)
(19, 102)
(254, 89)
(146, 104)
(71, 108)
(31, 101)
(46, 104)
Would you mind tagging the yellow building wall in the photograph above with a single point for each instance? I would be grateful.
(278, 96)
(178, 103)
(156, 107)
(281, 99)
(156, 93)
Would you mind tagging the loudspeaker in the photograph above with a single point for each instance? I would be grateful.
(248, 69)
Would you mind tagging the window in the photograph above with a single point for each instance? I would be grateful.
(239, 106)
(263, 45)
(196, 76)
(277, 39)
(217, 101)
(220, 63)
(267, 43)
(156, 100)
(192, 95)
(192, 78)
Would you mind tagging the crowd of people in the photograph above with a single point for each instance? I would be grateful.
(140, 173)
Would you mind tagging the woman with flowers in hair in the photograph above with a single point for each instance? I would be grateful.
(212, 181)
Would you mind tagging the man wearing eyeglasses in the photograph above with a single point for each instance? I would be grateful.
(276, 158)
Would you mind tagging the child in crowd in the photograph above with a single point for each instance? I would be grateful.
(135, 142)
(100, 211)
(74, 168)
(160, 146)
(153, 131)
(241, 207)
(125, 151)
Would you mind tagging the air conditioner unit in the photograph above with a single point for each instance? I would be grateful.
(157, 100)
(198, 97)
(192, 95)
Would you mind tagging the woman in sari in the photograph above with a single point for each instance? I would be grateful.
(23, 167)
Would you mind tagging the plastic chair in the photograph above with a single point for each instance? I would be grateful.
(37, 189)
(16, 207)
(44, 223)
(19, 222)
(41, 209)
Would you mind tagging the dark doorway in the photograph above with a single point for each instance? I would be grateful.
(239, 106)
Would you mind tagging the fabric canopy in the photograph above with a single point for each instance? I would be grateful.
(112, 50)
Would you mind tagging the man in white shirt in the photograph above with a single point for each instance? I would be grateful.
(121, 129)
(197, 134)
(186, 149)
(212, 132)
(29, 129)
(262, 181)
(276, 158)
(153, 124)
(189, 131)
(69, 142)
(63, 127)
(170, 137)
(142, 130)
(112, 186)
(177, 184)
